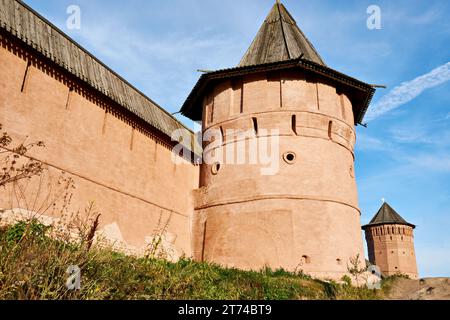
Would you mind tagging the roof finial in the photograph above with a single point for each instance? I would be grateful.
(383, 200)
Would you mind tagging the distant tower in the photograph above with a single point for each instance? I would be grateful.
(306, 216)
(390, 242)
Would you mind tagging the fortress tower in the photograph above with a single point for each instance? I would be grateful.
(305, 216)
(390, 242)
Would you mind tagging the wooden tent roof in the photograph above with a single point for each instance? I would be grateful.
(280, 45)
(279, 39)
(24, 23)
(387, 215)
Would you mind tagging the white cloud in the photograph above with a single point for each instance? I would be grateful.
(406, 135)
(408, 91)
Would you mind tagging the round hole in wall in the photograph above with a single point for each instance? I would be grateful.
(216, 168)
(305, 260)
(290, 157)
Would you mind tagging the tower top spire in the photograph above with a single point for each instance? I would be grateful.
(280, 39)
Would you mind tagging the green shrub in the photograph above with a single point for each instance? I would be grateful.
(25, 229)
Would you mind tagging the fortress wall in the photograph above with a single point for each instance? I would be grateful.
(115, 160)
(306, 215)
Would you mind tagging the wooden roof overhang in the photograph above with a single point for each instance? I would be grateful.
(360, 93)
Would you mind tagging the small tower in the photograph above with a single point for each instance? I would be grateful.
(304, 216)
(390, 242)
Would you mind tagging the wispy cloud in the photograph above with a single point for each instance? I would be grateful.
(439, 139)
(408, 91)
(370, 143)
(152, 62)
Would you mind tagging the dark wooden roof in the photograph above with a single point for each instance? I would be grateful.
(279, 39)
(387, 215)
(24, 23)
(280, 45)
(359, 92)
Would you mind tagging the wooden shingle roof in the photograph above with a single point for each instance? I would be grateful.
(280, 45)
(387, 215)
(24, 23)
(279, 39)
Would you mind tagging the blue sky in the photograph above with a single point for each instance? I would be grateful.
(403, 155)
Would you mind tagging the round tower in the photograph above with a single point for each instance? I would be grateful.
(390, 243)
(292, 202)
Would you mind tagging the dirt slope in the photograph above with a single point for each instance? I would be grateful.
(424, 289)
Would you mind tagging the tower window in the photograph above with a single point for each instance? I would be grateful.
(25, 77)
(330, 130)
(222, 134)
(294, 124)
(68, 97)
(305, 260)
(255, 125)
(216, 168)
(290, 157)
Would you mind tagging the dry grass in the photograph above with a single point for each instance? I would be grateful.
(33, 266)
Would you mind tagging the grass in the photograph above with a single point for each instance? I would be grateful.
(33, 267)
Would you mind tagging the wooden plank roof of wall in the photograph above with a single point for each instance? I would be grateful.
(24, 23)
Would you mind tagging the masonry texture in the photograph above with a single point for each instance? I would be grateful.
(116, 144)
(390, 241)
